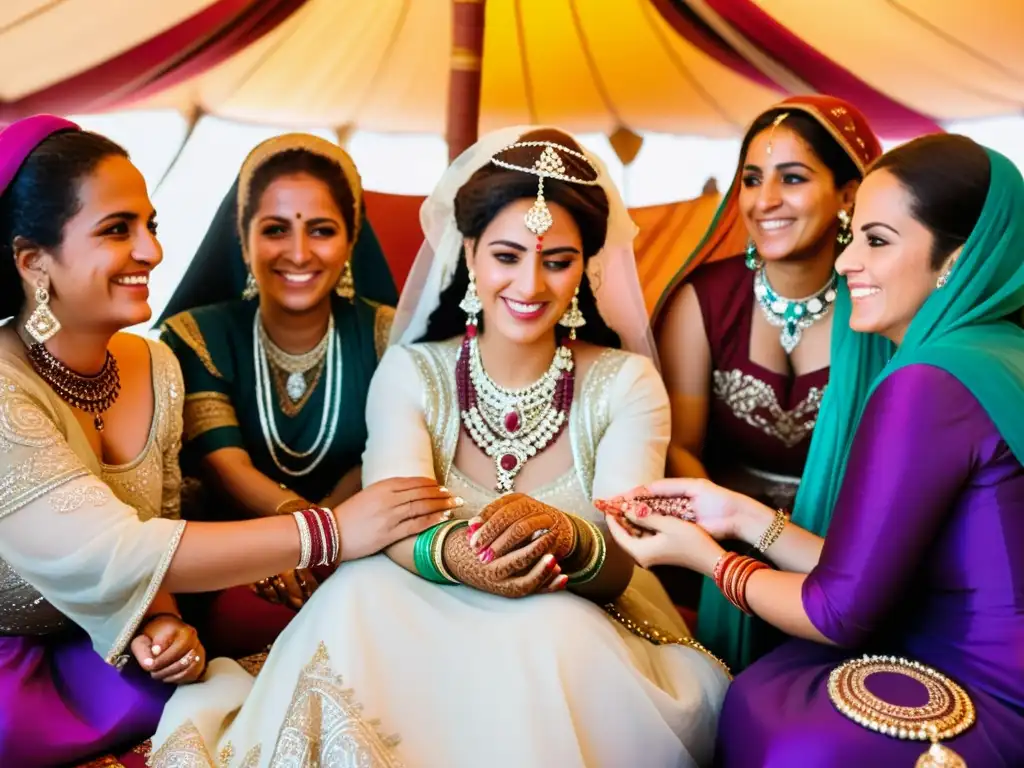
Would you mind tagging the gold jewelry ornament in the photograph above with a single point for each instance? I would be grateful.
(252, 288)
(548, 166)
(844, 236)
(775, 124)
(42, 325)
(346, 287)
(948, 712)
(572, 318)
(773, 531)
(470, 303)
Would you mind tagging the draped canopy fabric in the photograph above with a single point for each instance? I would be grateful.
(679, 66)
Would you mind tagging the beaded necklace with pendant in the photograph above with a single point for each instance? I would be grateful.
(512, 425)
(794, 316)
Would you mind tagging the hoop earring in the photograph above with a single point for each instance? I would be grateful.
(751, 257)
(471, 305)
(252, 288)
(573, 318)
(42, 325)
(844, 236)
(346, 287)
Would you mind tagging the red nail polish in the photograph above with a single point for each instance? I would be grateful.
(473, 528)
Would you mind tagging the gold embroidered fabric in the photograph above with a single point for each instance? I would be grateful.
(205, 411)
(382, 322)
(323, 726)
(753, 401)
(36, 461)
(187, 329)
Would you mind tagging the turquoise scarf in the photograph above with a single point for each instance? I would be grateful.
(968, 328)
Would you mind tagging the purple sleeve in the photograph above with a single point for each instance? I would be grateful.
(916, 446)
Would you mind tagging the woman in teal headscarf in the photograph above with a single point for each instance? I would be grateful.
(278, 326)
(916, 471)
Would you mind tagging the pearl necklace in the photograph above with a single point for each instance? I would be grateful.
(792, 315)
(265, 406)
(512, 425)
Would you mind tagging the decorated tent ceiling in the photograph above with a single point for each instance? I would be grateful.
(680, 66)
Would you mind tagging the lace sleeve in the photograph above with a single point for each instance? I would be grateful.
(65, 533)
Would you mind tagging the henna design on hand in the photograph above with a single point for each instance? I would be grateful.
(506, 576)
(517, 520)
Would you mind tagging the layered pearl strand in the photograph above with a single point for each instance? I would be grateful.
(512, 425)
(265, 406)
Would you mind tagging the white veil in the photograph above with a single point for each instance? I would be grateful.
(612, 271)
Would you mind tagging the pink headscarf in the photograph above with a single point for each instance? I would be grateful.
(18, 140)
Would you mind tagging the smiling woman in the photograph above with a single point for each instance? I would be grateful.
(278, 361)
(744, 342)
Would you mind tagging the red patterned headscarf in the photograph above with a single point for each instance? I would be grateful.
(727, 236)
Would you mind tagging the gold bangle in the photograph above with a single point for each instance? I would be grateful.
(598, 551)
(773, 531)
(437, 550)
(292, 505)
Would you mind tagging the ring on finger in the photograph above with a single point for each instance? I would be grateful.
(538, 533)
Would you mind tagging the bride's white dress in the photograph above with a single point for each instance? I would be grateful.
(382, 668)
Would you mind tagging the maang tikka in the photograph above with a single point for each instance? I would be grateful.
(548, 166)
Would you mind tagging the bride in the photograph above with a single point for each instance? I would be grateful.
(420, 656)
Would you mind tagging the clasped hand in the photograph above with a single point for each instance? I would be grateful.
(512, 548)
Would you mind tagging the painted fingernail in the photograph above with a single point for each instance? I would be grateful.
(548, 560)
(486, 556)
(560, 582)
(474, 540)
(458, 501)
(473, 528)
(155, 649)
(147, 662)
(446, 515)
(641, 510)
(442, 489)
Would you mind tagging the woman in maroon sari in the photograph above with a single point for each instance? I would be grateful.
(916, 472)
(746, 367)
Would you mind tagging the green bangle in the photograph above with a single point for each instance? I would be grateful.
(426, 556)
(595, 562)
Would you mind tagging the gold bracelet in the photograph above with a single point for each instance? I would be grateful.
(773, 531)
(437, 548)
(598, 551)
(292, 505)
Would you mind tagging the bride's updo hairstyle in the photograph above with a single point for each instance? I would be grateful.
(490, 190)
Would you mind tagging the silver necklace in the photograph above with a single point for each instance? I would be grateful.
(794, 316)
(265, 406)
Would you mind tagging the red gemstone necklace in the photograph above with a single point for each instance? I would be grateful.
(512, 425)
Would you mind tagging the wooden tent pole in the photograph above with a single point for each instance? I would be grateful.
(464, 75)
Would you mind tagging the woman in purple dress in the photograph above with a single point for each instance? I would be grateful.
(917, 459)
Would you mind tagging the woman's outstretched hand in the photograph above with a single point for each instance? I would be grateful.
(391, 510)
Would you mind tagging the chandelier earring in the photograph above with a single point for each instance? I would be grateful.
(751, 257)
(252, 288)
(346, 287)
(845, 234)
(471, 305)
(42, 325)
(944, 277)
(573, 318)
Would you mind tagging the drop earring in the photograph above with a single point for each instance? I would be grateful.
(471, 305)
(573, 318)
(252, 288)
(346, 287)
(750, 256)
(42, 325)
(844, 236)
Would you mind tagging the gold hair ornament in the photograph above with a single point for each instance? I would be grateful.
(548, 166)
(775, 124)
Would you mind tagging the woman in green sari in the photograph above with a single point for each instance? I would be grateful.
(278, 326)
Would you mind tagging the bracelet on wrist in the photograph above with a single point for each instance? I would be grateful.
(428, 552)
(773, 531)
(731, 573)
(319, 537)
(289, 506)
(591, 544)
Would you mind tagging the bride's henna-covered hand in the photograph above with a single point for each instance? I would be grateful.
(519, 573)
(516, 519)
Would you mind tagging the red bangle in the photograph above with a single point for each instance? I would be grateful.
(732, 577)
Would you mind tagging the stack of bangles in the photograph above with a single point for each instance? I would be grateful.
(319, 538)
(731, 574)
(590, 550)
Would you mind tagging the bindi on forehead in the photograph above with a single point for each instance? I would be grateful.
(298, 217)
